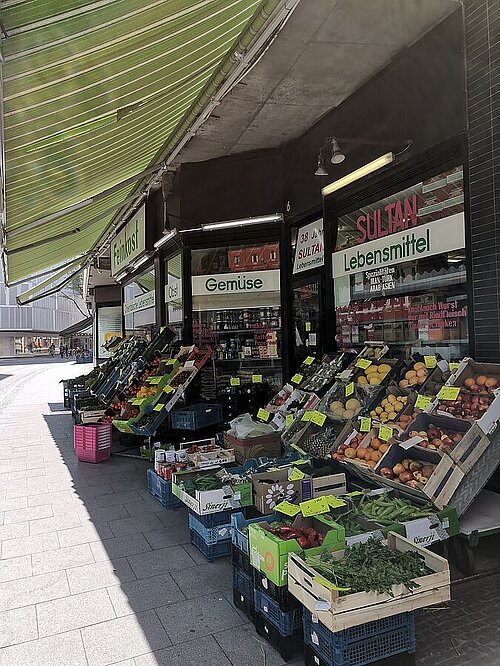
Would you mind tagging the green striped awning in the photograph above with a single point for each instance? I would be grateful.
(95, 93)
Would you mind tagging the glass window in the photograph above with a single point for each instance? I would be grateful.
(139, 305)
(400, 271)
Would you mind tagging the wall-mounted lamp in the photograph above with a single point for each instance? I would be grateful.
(330, 150)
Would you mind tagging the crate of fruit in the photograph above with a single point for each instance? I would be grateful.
(412, 577)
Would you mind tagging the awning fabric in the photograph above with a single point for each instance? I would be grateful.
(53, 283)
(95, 91)
(77, 328)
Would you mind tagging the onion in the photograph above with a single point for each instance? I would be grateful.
(481, 380)
(490, 382)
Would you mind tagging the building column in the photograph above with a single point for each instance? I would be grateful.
(482, 46)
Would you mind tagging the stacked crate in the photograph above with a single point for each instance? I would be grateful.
(211, 533)
(243, 588)
(161, 490)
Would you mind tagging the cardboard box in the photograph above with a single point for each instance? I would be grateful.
(332, 484)
(269, 553)
(268, 446)
(93, 416)
(212, 501)
(341, 612)
(271, 488)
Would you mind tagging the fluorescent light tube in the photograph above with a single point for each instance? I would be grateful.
(165, 238)
(275, 217)
(363, 171)
(121, 275)
(140, 261)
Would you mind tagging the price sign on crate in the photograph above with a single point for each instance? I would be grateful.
(256, 379)
(422, 401)
(365, 424)
(449, 393)
(363, 363)
(235, 381)
(263, 415)
(349, 389)
(309, 360)
(297, 379)
(384, 433)
(430, 361)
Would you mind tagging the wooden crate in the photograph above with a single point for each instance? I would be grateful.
(338, 613)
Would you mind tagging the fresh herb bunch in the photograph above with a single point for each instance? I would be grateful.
(370, 567)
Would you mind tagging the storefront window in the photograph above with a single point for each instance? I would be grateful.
(173, 294)
(236, 310)
(139, 305)
(400, 272)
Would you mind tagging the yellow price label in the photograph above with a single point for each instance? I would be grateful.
(363, 363)
(334, 502)
(306, 416)
(288, 420)
(365, 424)
(168, 389)
(256, 379)
(449, 393)
(385, 433)
(453, 366)
(308, 326)
(158, 407)
(314, 507)
(422, 401)
(295, 474)
(263, 415)
(162, 329)
(301, 462)
(235, 381)
(154, 380)
(309, 360)
(297, 379)
(287, 508)
(430, 361)
(349, 389)
(318, 418)
(297, 448)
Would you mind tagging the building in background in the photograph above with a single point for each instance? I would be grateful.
(33, 328)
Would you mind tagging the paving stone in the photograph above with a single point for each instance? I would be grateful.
(31, 513)
(141, 595)
(33, 590)
(74, 612)
(124, 638)
(56, 523)
(113, 498)
(16, 567)
(84, 534)
(242, 645)
(62, 558)
(102, 574)
(17, 626)
(174, 535)
(27, 491)
(110, 549)
(96, 514)
(136, 524)
(205, 579)
(14, 531)
(173, 516)
(61, 650)
(62, 497)
(160, 561)
(204, 651)
(29, 544)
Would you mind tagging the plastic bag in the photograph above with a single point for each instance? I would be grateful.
(244, 426)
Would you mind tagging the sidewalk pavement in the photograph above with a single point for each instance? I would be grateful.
(94, 571)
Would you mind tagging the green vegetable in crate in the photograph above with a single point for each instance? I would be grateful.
(352, 528)
(386, 510)
(370, 567)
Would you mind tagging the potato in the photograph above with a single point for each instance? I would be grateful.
(370, 369)
(348, 414)
(375, 380)
(384, 367)
(362, 380)
(337, 406)
(353, 404)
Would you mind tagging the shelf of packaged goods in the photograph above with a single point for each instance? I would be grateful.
(262, 329)
(241, 360)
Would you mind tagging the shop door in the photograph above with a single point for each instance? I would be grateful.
(306, 320)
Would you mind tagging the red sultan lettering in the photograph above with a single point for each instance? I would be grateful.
(411, 211)
(399, 224)
(361, 228)
(399, 216)
(389, 209)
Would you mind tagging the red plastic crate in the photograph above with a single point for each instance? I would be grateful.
(92, 443)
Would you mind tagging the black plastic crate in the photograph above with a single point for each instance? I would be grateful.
(196, 417)
(287, 646)
(243, 582)
(244, 603)
(279, 594)
(242, 561)
(214, 519)
(210, 551)
(285, 621)
(311, 658)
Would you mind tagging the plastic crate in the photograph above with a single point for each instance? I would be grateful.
(161, 490)
(240, 537)
(210, 535)
(280, 594)
(287, 646)
(92, 443)
(244, 603)
(242, 561)
(196, 417)
(285, 621)
(210, 551)
(243, 582)
(214, 519)
(363, 644)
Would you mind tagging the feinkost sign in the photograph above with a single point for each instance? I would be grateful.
(129, 243)
(440, 236)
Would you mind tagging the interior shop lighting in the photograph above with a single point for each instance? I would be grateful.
(337, 155)
(275, 217)
(363, 171)
(120, 276)
(165, 238)
(139, 262)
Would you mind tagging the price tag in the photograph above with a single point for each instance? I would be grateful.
(287, 508)
(318, 418)
(168, 389)
(449, 393)
(256, 379)
(235, 381)
(334, 502)
(138, 401)
(385, 433)
(158, 407)
(430, 361)
(309, 360)
(121, 372)
(263, 415)
(301, 462)
(306, 416)
(349, 389)
(162, 329)
(154, 380)
(363, 363)
(422, 401)
(308, 326)
(365, 424)
(314, 507)
(295, 474)
(288, 420)
(453, 366)
(297, 448)
(297, 379)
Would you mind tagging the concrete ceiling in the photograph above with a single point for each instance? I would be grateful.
(327, 50)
